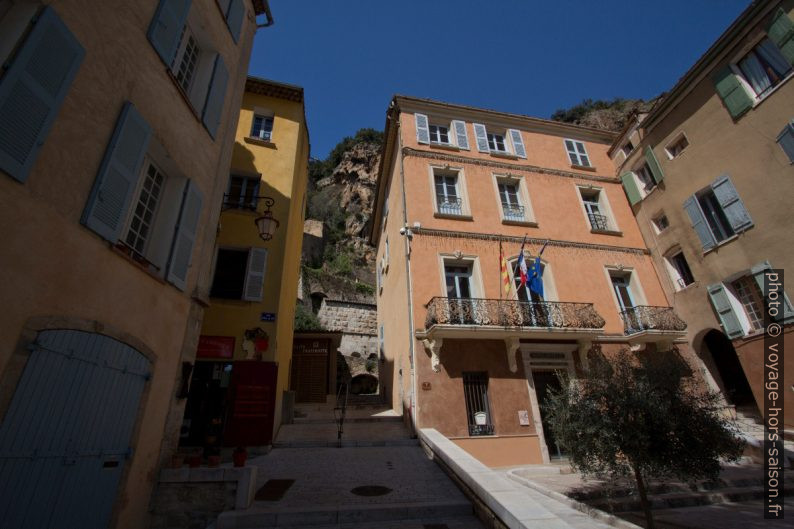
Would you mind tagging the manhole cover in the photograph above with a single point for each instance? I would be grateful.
(371, 490)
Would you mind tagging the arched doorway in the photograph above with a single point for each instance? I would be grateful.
(363, 385)
(734, 382)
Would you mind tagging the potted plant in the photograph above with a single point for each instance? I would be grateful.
(194, 460)
(240, 455)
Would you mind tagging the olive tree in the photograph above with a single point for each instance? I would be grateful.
(641, 416)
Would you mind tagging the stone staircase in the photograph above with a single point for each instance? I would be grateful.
(751, 425)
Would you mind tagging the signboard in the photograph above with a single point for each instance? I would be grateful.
(267, 316)
(523, 417)
(215, 347)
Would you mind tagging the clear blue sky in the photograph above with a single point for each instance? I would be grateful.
(523, 56)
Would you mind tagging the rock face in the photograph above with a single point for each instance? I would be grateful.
(613, 118)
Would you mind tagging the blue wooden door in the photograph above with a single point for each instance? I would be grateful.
(66, 436)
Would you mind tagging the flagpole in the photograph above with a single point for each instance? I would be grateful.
(500, 269)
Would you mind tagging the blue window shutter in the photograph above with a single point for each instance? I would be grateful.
(255, 274)
(732, 93)
(224, 5)
(118, 175)
(786, 140)
(731, 204)
(722, 305)
(787, 311)
(213, 107)
(482, 137)
(630, 187)
(699, 223)
(518, 143)
(422, 130)
(185, 236)
(461, 134)
(33, 89)
(653, 164)
(166, 28)
(234, 18)
(781, 32)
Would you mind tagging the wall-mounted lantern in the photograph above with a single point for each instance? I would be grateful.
(266, 224)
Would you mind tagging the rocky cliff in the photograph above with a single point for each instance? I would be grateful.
(606, 115)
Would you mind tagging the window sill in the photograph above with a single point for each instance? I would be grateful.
(616, 233)
(691, 285)
(507, 155)
(724, 242)
(648, 193)
(527, 223)
(260, 142)
(445, 146)
(589, 168)
(761, 99)
(140, 262)
(452, 216)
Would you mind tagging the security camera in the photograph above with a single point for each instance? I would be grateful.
(402, 230)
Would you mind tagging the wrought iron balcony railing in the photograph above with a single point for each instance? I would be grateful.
(645, 318)
(450, 206)
(598, 222)
(512, 313)
(513, 212)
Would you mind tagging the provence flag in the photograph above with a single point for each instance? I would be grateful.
(505, 273)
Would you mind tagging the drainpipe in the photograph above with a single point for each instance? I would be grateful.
(407, 238)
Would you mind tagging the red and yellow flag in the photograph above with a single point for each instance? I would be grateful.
(505, 272)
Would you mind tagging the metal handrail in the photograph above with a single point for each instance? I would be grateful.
(598, 222)
(450, 206)
(646, 318)
(512, 212)
(239, 202)
(342, 409)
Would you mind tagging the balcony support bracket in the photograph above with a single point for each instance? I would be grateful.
(584, 348)
(511, 346)
(433, 347)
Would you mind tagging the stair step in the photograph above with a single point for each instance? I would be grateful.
(387, 418)
(682, 499)
(346, 443)
(260, 516)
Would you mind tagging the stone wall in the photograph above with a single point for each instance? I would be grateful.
(347, 317)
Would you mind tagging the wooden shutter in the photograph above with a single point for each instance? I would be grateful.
(724, 309)
(482, 137)
(699, 223)
(518, 143)
(734, 96)
(786, 314)
(32, 91)
(422, 128)
(117, 180)
(781, 32)
(460, 133)
(731, 204)
(185, 236)
(213, 107)
(653, 164)
(234, 18)
(255, 274)
(166, 28)
(630, 187)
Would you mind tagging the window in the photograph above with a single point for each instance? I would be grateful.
(379, 278)
(751, 299)
(262, 127)
(786, 140)
(439, 134)
(243, 192)
(185, 59)
(596, 209)
(660, 222)
(511, 204)
(764, 67)
(622, 287)
(717, 213)
(646, 178)
(458, 281)
(627, 148)
(386, 255)
(496, 142)
(577, 153)
(239, 274)
(145, 208)
(478, 409)
(679, 270)
(677, 146)
(448, 199)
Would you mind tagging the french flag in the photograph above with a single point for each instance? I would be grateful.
(522, 264)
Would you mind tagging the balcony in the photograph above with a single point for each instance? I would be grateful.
(514, 213)
(598, 222)
(645, 324)
(450, 206)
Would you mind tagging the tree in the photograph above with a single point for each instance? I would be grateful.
(641, 416)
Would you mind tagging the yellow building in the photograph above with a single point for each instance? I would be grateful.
(244, 351)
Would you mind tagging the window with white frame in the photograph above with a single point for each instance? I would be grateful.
(243, 192)
(596, 209)
(262, 127)
(443, 133)
(239, 273)
(510, 197)
(439, 134)
(496, 142)
(447, 192)
(627, 148)
(677, 146)
(628, 295)
(193, 62)
(764, 67)
(499, 141)
(751, 299)
(715, 216)
(577, 153)
(660, 222)
(679, 270)
(786, 140)
(717, 213)
(145, 208)
(186, 59)
(645, 177)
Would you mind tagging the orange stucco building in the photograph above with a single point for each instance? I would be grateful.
(461, 355)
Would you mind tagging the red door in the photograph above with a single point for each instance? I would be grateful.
(252, 400)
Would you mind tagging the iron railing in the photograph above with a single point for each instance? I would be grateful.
(598, 222)
(645, 318)
(512, 313)
(450, 206)
(340, 410)
(240, 201)
(513, 212)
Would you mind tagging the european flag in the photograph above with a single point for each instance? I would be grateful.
(535, 274)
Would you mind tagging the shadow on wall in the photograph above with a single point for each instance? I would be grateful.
(243, 164)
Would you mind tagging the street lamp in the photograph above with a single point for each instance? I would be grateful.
(266, 224)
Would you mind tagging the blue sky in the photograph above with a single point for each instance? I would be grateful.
(523, 56)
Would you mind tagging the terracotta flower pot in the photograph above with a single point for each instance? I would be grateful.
(194, 461)
(213, 461)
(239, 457)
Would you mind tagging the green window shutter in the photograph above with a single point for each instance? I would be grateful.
(422, 128)
(166, 28)
(699, 223)
(185, 236)
(781, 32)
(758, 274)
(731, 204)
(724, 309)
(653, 165)
(734, 96)
(117, 180)
(255, 274)
(33, 89)
(630, 187)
